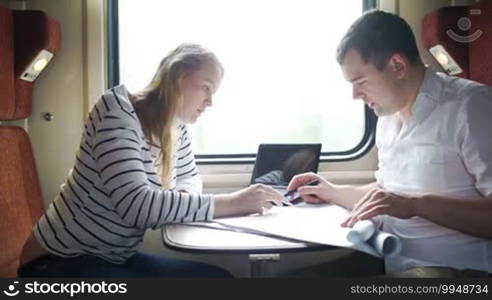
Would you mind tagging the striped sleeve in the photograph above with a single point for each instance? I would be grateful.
(118, 153)
(187, 176)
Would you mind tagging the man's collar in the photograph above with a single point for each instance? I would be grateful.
(431, 86)
(427, 97)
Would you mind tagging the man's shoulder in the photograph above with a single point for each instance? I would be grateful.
(460, 89)
(465, 98)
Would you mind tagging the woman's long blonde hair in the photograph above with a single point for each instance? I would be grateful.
(158, 104)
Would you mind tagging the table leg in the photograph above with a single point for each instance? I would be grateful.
(259, 264)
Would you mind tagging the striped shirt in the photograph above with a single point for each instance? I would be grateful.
(113, 193)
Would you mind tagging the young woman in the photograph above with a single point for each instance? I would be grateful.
(135, 170)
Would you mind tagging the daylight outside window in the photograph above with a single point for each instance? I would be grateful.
(282, 83)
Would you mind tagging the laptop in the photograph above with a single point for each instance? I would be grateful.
(276, 164)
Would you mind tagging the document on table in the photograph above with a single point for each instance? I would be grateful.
(318, 224)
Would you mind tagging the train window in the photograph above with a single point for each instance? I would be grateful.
(282, 83)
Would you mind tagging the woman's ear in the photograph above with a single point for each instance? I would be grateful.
(399, 65)
(181, 82)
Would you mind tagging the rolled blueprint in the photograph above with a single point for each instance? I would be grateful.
(361, 232)
(366, 231)
(386, 244)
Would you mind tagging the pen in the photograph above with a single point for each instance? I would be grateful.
(293, 195)
(283, 203)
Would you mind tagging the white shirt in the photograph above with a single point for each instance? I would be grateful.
(444, 148)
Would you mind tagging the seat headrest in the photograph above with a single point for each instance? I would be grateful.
(465, 33)
(26, 36)
(7, 101)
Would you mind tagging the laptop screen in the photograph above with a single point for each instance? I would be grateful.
(276, 164)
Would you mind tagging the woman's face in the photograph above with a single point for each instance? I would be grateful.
(197, 90)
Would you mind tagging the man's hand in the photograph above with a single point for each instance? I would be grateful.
(320, 193)
(380, 202)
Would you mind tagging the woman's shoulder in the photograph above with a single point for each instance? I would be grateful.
(116, 101)
(118, 96)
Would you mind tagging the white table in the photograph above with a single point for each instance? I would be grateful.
(261, 250)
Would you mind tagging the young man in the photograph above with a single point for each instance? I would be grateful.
(434, 182)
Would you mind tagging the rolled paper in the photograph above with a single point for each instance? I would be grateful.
(361, 232)
(385, 244)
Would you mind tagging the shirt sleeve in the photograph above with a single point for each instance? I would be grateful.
(476, 141)
(119, 159)
(187, 175)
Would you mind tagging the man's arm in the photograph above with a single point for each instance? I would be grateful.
(472, 216)
(348, 195)
(468, 215)
(327, 192)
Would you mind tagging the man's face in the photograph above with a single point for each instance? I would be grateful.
(378, 89)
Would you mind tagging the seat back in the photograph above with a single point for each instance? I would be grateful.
(465, 32)
(21, 203)
(480, 50)
(7, 103)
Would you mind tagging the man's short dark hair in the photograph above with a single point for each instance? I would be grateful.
(376, 36)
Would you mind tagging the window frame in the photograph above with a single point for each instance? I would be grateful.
(363, 147)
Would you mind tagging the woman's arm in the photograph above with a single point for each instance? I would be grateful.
(118, 152)
(187, 177)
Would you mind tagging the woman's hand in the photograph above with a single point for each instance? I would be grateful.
(322, 192)
(257, 198)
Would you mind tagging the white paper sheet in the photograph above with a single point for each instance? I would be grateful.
(319, 224)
